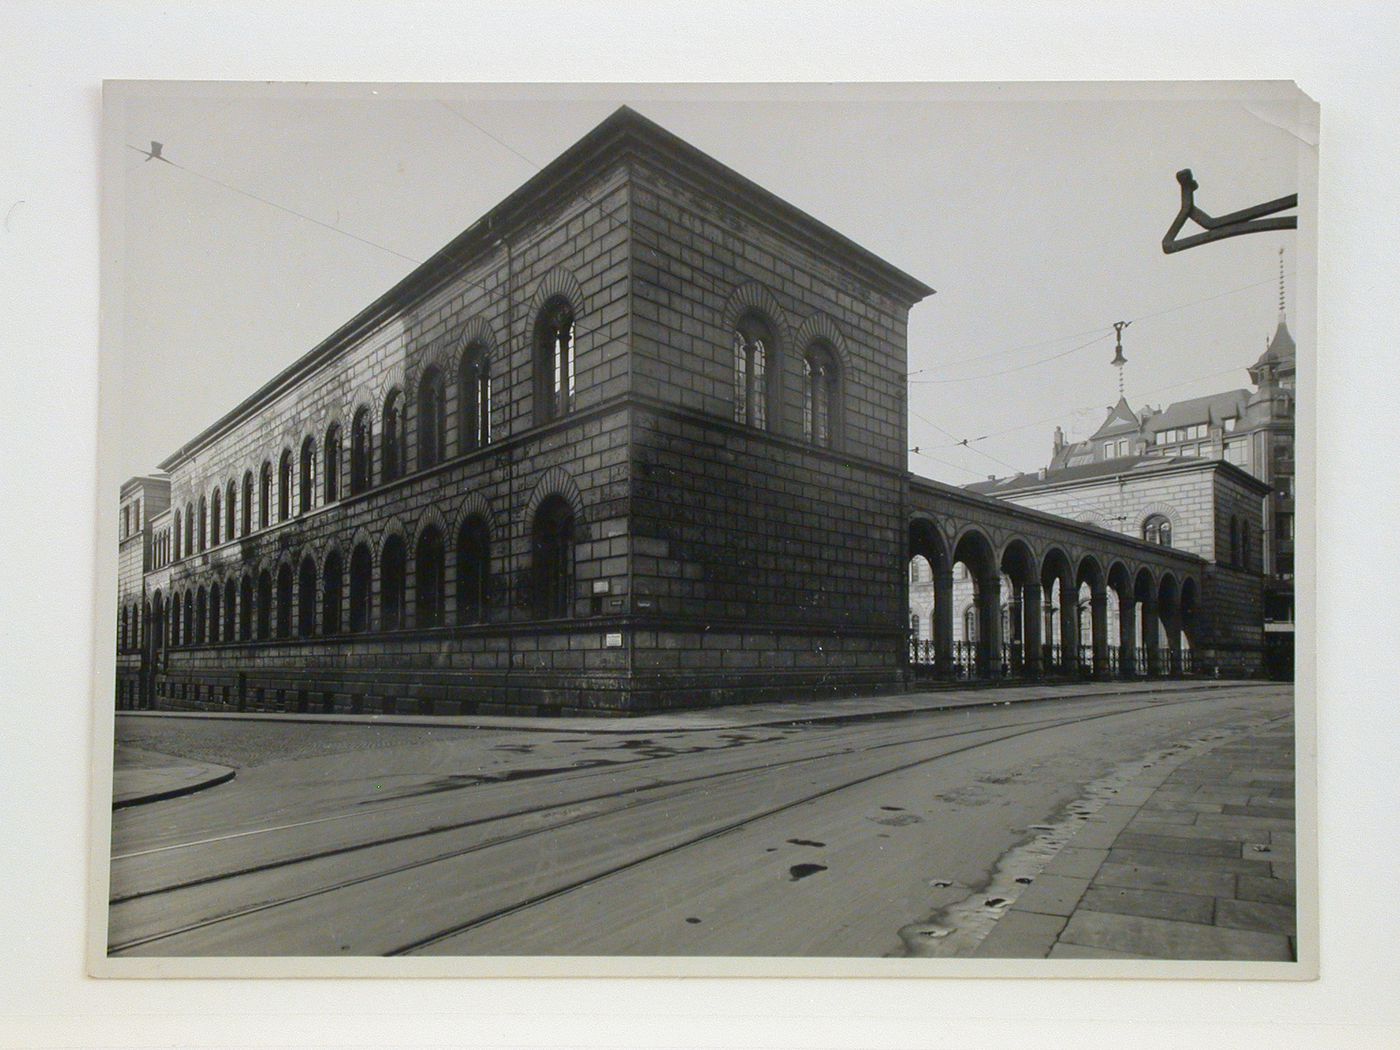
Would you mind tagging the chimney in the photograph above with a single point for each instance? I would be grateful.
(1059, 439)
(1041, 473)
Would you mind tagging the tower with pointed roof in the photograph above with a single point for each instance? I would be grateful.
(1250, 429)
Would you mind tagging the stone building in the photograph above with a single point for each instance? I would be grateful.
(1131, 476)
(634, 439)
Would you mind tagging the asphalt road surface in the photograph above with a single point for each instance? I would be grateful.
(789, 840)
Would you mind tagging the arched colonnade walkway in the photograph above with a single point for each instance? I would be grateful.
(1006, 592)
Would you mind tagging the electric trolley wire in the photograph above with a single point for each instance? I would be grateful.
(493, 294)
(959, 442)
(157, 155)
(1103, 332)
(1018, 368)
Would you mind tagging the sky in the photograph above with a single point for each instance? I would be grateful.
(1038, 222)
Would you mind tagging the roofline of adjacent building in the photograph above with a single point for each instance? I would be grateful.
(624, 134)
(133, 482)
(1177, 465)
(1047, 518)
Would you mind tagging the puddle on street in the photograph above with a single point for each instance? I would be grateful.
(800, 871)
(807, 842)
(899, 820)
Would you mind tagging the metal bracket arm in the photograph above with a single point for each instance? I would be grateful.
(1247, 220)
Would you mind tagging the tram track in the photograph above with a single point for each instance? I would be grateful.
(583, 773)
(627, 801)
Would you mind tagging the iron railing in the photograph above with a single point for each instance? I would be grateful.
(969, 660)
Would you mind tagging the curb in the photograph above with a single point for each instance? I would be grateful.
(175, 792)
(635, 724)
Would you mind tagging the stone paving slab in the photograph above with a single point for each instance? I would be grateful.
(1166, 939)
(1255, 915)
(1205, 883)
(1154, 904)
(1192, 862)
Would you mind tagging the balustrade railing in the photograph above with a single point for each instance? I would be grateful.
(967, 661)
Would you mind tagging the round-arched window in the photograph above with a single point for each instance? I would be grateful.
(1157, 529)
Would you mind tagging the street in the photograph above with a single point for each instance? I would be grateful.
(910, 834)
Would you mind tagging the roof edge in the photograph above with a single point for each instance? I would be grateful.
(623, 130)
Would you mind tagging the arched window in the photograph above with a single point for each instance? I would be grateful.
(474, 392)
(331, 589)
(361, 573)
(247, 502)
(429, 596)
(332, 467)
(752, 344)
(158, 620)
(306, 598)
(970, 624)
(230, 610)
(215, 608)
(914, 625)
(821, 400)
(553, 549)
(554, 360)
(187, 628)
(360, 452)
(306, 491)
(177, 535)
(1157, 529)
(264, 605)
(124, 642)
(189, 530)
(216, 518)
(202, 535)
(265, 496)
(473, 570)
(432, 419)
(245, 609)
(284, 485)
(284, 601)
(393, 435)
(230, 511)
(392, 578)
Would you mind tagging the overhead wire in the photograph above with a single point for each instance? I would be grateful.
(493, 294)
(1062, 415)
(1104, 333)
(271, 203)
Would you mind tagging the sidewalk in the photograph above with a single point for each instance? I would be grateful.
(140, 776)
(1195, 861)
(745, 716)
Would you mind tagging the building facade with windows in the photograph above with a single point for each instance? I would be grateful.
(634, 439)
(1131, 475)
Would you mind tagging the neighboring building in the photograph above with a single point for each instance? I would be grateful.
(635, 439)
(1209, 508)
(1128, 477)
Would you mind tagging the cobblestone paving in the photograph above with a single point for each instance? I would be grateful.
(240, 744)
(1198, 866)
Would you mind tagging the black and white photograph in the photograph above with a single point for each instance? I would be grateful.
(644, 523)
(708, 527)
